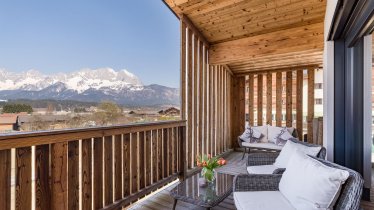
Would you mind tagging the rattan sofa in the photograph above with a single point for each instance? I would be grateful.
(349, 198)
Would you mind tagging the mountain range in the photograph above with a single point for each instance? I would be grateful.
(87, 85)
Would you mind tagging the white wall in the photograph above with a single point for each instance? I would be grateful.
(328, 83)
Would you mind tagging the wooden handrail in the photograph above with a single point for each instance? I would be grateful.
(24, 139)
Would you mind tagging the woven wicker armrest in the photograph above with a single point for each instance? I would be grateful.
(279, 171)
(266, 158)
(256, 182)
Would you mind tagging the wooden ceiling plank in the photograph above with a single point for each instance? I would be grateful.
(291, 40)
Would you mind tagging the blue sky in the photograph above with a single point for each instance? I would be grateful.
(141, 36)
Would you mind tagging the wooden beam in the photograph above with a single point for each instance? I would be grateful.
(228, 69)
(285, 41)
(279, 99)
(266, 70)
(310, 104)
(269, 98)
(189, 98)
(192, 27)
(299, 103)
(260, 87)
(289, 99)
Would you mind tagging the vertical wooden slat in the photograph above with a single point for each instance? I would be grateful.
(241, 105)
(148, 160)
(189, 98)
(134, 162)
(59, 176)
(289, 99)
(279, 99)
(154, 156)
(210, 109)
(310, 104)
(141, 165)
(206, 103)
(98, 173)
(182, 151)
(201, 98)
(160, 153)
(183, 69)
(214, 82)
(299, 103)
(5, 164)
(73, 175)
(126, 164)
(251, 99)
(86, 174)
(170, 151)
(218, 111)
(117, 167)
(195, 101)
(108, 169)
(165, 152)
(269, 98)
(174, 153)
(23, 178)
(42, 187)
(260, 91)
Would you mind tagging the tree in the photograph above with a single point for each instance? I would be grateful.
(17, 108)
(108, 112)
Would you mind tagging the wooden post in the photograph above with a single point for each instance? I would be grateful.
(260, 87)
(250, 99)
(269, 98)
(279, 99)
(238, 108)
(299, 103)
(289, 99)
(310, 104)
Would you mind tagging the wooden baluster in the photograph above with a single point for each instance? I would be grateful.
(86, 174)
(42, 187)
(126, 164)
(165, 152)
(98, 173)
(154, 156)
(118, 167)
(59, 175)
(160, 154)
(73, 175)
(23, 178)
(148, 159)
(141, 163)
(134, 163)
(5, 165)
(108, 169)
(182, 151)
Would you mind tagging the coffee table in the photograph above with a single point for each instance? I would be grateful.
(209, 196)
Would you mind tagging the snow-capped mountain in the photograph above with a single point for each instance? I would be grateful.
(85, 85)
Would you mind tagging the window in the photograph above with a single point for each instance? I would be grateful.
(318, 86)
(318, 101)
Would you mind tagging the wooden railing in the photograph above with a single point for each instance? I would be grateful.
(93, 168)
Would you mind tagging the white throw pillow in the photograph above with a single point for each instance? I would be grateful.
(283, 137)
(309, 184)
(290, 148)
(251, 135)
(274, 132)
(264, 131)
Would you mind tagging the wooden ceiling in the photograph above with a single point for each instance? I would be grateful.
(251, 35)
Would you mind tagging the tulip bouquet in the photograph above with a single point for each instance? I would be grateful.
(208, 164)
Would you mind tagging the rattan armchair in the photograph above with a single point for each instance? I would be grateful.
(349, 198)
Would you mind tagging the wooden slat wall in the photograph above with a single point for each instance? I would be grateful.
(205, 97)
(284, 87)
(94, 172)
